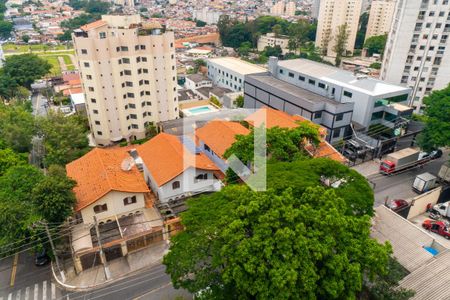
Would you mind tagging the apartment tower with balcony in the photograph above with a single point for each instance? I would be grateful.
(128, 76)
(333, 14)
(417, 53)
(380, 17)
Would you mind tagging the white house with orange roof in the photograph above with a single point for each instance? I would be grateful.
(111, 189)
(174, 172)
(216, 137)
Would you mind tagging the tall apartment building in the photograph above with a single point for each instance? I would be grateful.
(380, 17)
(282, 8)
(128, 74)
(333, 14)
(417, 53)
(315, 6)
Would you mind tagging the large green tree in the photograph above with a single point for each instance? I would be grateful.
(437, 120)
(376, 44)
(16, 126)
(9, 158)
(23, 69)
(5, 29)
(341, 40)
(65, 138)
(240, 244)
(53, 196)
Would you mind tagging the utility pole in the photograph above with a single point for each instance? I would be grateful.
(102, 254)
(61, 272)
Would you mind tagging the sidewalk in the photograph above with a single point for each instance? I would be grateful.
(368, 168)
(119, 268)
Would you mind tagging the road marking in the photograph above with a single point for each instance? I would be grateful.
(27, 293)
(53, 291)
(36, 291)
(44, 290)
(18, 295)
(10, 296)
(152, 291)
(14, 270)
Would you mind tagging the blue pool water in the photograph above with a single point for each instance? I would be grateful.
(432, 250)
(199, 109)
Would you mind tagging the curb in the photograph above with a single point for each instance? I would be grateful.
(88, 288)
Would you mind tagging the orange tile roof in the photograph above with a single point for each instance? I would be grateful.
(93, 25)
(281, 119)
(163, 155)
(273, 118)
(220, 135)
(99, 171)
(69, 92)
(201, 39)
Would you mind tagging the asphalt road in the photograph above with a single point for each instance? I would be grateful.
(400, 186)
(38, 103)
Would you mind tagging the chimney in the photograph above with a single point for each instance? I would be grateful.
(273, 65)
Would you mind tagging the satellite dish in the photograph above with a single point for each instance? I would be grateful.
(127, 164)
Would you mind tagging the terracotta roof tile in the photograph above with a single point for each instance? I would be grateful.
(281, 119)
(99, 172)
(93, 25)
(163, 155)
(220, 135)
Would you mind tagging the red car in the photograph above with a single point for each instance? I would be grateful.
(439, 227)
(397, 205)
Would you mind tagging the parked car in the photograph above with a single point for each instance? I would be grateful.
(436, 154)
(439, 227)
(41, 258)
(397, 204)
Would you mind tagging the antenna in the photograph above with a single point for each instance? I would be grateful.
(127, 164)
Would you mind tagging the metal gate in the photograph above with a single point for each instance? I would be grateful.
(113, 252)
(90, 260)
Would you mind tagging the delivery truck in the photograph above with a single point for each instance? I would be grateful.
(444, 172)
(401, 160)
(424, 183)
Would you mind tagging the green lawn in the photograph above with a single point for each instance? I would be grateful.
(53, 60)
(12, 48)
(67, 60)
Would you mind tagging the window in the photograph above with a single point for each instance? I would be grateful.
(127, 72)
(89, 77)
(339, 117)
(100, 208)
(133, 116)
(145, 71)
(348, 94)
(206, 147)
(336, 133)
(83, 51)
(144, 59)
(126, 60)
(97, 122)
(318, 115)
(175, 185)
(123, 48)
(129, 200)
(91, 89)
(128, 83)
(291, 75)
(312, 82)
(131, 105)
(130, 95)
(102, 35)
(95, 111)
(301, 78)
(99, 133)
(93, 100)
(86, 64)
(322, 85)
(201, 177)
(281, 71)
(142, 47)
(134, 126)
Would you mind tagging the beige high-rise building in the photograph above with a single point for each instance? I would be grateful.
(277, 9)
(380, 17)
(128, 74)
(333, 14)
(290, 9)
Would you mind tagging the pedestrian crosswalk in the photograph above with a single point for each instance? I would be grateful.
(45, 290)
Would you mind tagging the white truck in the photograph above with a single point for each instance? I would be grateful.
(424, 182)
(444, 172)
(442, 209)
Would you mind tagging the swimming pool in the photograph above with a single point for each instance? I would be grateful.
(201, 109)
(198, 110)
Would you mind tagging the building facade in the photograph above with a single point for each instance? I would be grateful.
(417, 53)
(229, 72)
(326, 95)
(380, 17)
(332, 15)
(271, 40)
(128, 76)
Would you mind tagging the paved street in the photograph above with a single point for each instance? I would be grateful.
(38, 104)
(400, 186)
(29, 282)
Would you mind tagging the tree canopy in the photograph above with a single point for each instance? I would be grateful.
(240, 244)
(437, 120)
(341, 40)
(376, 44)
(16, 127)
(5, 29)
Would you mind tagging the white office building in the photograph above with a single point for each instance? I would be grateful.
(417, 53)
(229, 72)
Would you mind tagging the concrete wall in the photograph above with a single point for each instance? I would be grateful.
(114, 201)
(419, 203)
